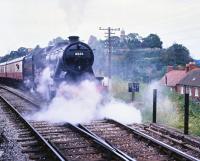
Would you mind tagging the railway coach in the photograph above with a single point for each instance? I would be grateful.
(12, 70)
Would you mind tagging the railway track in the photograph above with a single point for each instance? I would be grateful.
(23, 104)
(172, 137)
(32, 143)
(100, 140)
(134, 142)
(45, 141)
(20, 93)
(77, 144)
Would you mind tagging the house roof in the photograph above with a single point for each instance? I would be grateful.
(173, 77)
(192, 78)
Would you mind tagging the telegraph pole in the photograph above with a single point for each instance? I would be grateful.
(108, 35)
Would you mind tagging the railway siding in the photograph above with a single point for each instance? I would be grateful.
(172, 137)
(138, 144)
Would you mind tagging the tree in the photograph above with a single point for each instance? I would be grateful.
(56, 41)
(13, 55)
(22, 51)
(133, 41)
(98, 47)
(92, 40)
(115, 42)
(176, 54)
(4, 58)
(152, 41)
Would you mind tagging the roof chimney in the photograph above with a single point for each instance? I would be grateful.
(73, 39)
(187, 68)
(190, 66)
(166, 80)
(169, 68)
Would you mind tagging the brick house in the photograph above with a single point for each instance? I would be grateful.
(172, 77)
(183, 80)
(190, 84)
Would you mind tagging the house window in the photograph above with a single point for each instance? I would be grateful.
(182, 90)
(196, 93)
(190, 91)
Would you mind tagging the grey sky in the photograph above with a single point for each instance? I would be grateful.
(31, 22)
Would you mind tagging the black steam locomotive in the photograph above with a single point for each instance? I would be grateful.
(70, 61)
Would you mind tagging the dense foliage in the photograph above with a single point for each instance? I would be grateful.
(22, 51)
(194, 114)
(152, 41)
(136, 58)
(176, 54)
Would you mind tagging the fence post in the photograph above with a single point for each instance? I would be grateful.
(154, 105)
(186, 114)
(133, 96)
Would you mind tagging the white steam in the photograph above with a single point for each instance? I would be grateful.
(82, 103)
(45, 81)
(166, 108)
(121, 112)
(163, 101)
(72, 104)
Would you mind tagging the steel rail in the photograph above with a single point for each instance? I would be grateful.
(181, 141)
(18, 94)
(176, 134)
(52, 151)
(177, 152)
(102, 143)
(106, 142)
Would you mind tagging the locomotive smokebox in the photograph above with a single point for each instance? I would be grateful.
(76, 61)
(73, 39)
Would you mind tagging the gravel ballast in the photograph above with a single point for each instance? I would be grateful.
(9, 148)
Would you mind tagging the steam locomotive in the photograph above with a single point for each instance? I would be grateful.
(68, 60)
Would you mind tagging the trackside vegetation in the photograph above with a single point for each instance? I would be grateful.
(170, 105)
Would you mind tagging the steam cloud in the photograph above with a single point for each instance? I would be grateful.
(166, 108)
(45, 81)
(81, 103)
(74, 11)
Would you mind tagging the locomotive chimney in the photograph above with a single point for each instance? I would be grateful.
(73, 39)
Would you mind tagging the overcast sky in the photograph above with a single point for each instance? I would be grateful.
(30, 22)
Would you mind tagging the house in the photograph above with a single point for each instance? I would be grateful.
(183, 80)
(190, 84)
(172, 77)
